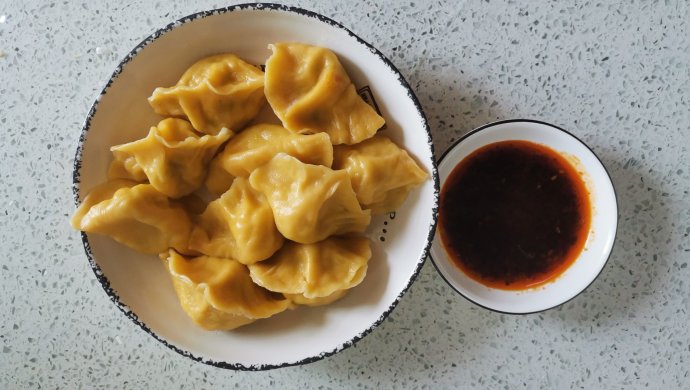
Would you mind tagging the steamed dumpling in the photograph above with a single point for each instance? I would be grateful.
(238, 225)
(218, 294)
(98, 194)
(315, 274)
(173, 156)
(216, 92)
(310, 92)
(136, 215)
(309, 202)
(258, 144)
(382, 174)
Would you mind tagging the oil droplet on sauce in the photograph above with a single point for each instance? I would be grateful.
(514, 215)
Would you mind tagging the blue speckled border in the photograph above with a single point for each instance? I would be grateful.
(615, 196)
(87, 124)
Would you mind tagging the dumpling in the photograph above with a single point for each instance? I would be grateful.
(238, 225)
(98, 194)
(137, 216)
(218, 294)
(173, 157)
(309, 202)
(218, 180)
(315, 274)
(216, 92)
(310, 92)
(258, 144)
(382, 174)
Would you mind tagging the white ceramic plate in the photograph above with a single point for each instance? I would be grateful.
(602, 229)
(140, 286)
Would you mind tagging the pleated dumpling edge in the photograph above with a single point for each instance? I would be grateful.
(309, 202)
(310, 91)
(135, 215)
(315, 274)
(382, 173)
(173, 157)
(218, 294)
(215, 92)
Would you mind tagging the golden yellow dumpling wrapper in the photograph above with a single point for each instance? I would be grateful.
(218, 180)
(98, 194)
(315, 274)
(137, 216)
(216, 92)
(125, 166)
(310, 92)
(382, 173)
(238, 225)
(218, 294)
(300, 299)
(258, 144)
(309, 202)
(173, 156)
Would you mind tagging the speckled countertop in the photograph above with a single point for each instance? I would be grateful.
(617, 74)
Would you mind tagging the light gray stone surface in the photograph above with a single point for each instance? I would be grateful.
(615, 73)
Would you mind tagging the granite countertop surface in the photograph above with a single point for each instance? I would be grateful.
(614, 73)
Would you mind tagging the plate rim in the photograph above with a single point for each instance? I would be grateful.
(615, 200)
(76, 182)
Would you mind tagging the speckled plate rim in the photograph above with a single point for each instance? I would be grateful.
(615, 199)
(76, 180)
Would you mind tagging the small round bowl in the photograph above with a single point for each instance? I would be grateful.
(602, 231)
(140, 286)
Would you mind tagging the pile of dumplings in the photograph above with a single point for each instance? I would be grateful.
(251, 219)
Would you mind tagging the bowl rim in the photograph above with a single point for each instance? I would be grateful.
(615, 200)
(76, 181)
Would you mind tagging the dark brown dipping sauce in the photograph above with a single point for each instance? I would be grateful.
(514, 215)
